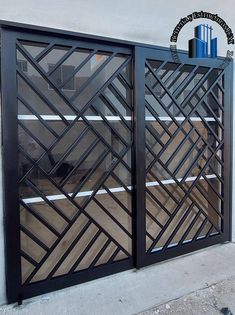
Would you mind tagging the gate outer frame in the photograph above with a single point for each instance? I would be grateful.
(8, 83)
(142, 54)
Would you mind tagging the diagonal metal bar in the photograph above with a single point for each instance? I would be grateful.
(178, 226)
(44, 123)
(152, 217)
(90, 172)
(112, 217)
(62, 60)
(118, 201)
(115, 90)
(79, 162)
(28, 258)
(114, 110)
(69, 150)
(44, 52)
(187, 195)
(97, 257)
(42, 97)
(40, 218)
(89, 80)
(48, 202)
(84, 252)
(78, 68)
(34, 238)
(69, 250)
(189, 228)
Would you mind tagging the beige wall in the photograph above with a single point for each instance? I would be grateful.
(147, 21)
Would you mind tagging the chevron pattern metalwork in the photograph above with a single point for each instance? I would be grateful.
(75, 140)
(184, 132)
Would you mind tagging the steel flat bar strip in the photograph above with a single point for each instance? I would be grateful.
(152, 132)
(41, 96)
(104, 178)
(208, 200)
(158, 119)
(117, 200)
(179, 147)
(164, 187)
(209, 232)
(182, 86)
(97, 257)
(187, 155)
(149, 236)
(117, 250)
(217, 175)
(209, 127)
(115, 110)
(178, 226)
(217, 119)
(126, 80)
(187, 195)
(28, 258)
(188, 79)
(44, 52)
(213, 188)
(84, 252)
(174, 75)
(69, 249)
(189, 228)
(119, 181)
(82, 158)
(112, 217)
(62, 60)
(208, 106)
(194, 90)
(110, 126)
(162, 105)
(29, 133)
(157, 201)
(68, 151)
(44, 75)
(94, 75)
(40, 218)
(200, 230)
(34, 238)
(194, 163)
(77, 69)
(197, 159)
(116, 92)
(122, 80)
(152, 217)
(38, 117)
(90, 172)
(48, 202)
(217, 101)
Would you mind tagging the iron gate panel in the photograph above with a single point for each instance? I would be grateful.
(74, 116)
(104, 185)
(185, 112)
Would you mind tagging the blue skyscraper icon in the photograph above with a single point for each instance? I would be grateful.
(202, 45)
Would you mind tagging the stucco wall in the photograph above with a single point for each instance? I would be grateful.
(148, 21)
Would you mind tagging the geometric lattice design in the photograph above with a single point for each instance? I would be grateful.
(184, 132)
(75, 141)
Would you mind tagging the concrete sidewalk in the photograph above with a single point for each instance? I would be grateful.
(214, 300)
(132, 292)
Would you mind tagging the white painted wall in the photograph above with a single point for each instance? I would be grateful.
(147, 21)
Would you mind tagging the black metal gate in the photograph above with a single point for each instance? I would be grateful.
(112, 175)
(183, 194)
